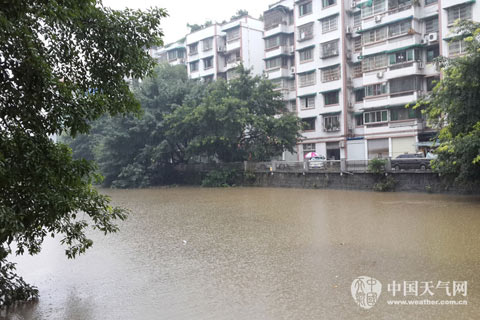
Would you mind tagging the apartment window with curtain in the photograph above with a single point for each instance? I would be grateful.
(462, 12)
(399, 28)
(432, 53)
(307, 79)
(331, 123)
(357, 70)
(172, 55)
(374, 62)
(357, 44)
(307, 102)
(305, 8)
(431, 25)
(401, 56)
(359, 94)
(404, 86)
(330, 24)
(331, 73)
(330, 49)
(194, 66)
(399, 5)
(328, 3)
(305, 32)
(357, 19)
(207, 63)
(306, 55)
(376, 35)
(378, 6)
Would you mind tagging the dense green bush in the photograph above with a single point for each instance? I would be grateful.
(220, 178)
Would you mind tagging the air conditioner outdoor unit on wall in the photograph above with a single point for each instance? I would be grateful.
(292, 70)
(292, 49)
(380, 74)
(378, 18)
(349, 30)
(354, 4)
(358, 29)
(432, 37)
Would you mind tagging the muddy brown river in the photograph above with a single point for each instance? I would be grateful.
(261, 253)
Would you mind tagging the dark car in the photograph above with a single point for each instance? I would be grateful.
(410, 161)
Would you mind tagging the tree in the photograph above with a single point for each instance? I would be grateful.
(196, 27)
(63, 65)
(454, 108)
(240, 13)
(243, 119)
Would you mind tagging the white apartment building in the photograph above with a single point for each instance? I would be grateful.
(214, 52)
(173, 53)
(357, 64)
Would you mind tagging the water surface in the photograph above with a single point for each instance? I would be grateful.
(260, 253)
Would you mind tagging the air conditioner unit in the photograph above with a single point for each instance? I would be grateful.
(349, 56)
(423, 41)
(181, 60)
(292, 70)
(420, 65)
(380, 75)
(378, 18)
(292, 49)
(302, 35)
(354, 4)
(349, 30)
(342, 144)
(432, 37)
(358, 29)
(221, 49)
(350, 106)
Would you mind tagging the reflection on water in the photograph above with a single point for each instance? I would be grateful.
(254, 253)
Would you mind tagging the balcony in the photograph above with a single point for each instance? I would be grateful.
(279, 72)
(397, 42)
(233, 44)
(401, 69)
(280, 50)
(282, 27)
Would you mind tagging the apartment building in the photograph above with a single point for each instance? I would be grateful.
(173, 53)
(356, 65)
(214, 52)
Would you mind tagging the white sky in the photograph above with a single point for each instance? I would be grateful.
(192, 11)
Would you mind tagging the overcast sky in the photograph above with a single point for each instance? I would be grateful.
(192, 11)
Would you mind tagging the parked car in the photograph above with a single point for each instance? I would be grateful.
(317, 162)
(410, 161)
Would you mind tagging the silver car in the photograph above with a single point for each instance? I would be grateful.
(317, 162)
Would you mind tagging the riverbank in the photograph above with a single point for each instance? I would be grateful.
(426, 182)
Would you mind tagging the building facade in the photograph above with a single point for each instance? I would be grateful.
(215, 51)
(356, 64)
(173, 53)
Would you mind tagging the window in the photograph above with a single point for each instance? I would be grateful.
(375, 116)
(305, 8)
(207, 44)
(208, 79)
(359, 95)
(194, 66)
(404, 114)
(172, 55)
(432, 53)
(404, 86)
(207, 63)
(376, 7)
(273, 18)
(462, 12)
(233, 34)
(401, 56)
(328, 3)
(331, 73)
(307, 102)
(305, 32)
(358, 44)
(276, 63)
(331, 123)
(432, 82)
(357, 19)
(431, 25)
(330, 24)
(307, 79)
(376, 35)
(374, 62)
(193, 49)
(233, 57)
(456, 47)
(399, 28)
(359, 120)
(308, 147)
(357, 70)
(331, 98)
(376, 89)
(399, 5)
(330, 49)
(308, 124)
(306, 55)
(427, 2)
